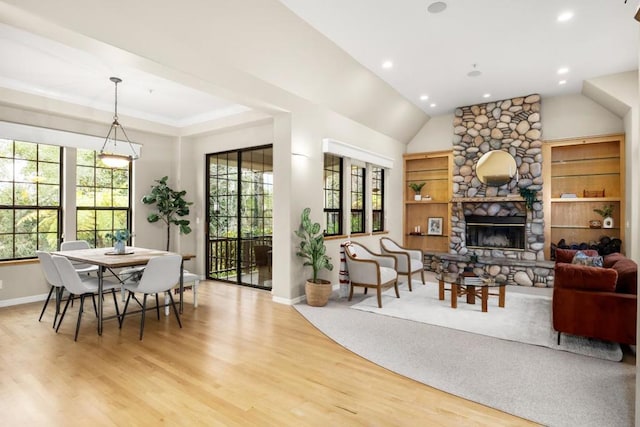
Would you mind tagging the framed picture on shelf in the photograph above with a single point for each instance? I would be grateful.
(434, 226)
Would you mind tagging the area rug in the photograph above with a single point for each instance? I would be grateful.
(525, 318)
(553, 388)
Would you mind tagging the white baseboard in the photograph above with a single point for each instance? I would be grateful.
(23, 300)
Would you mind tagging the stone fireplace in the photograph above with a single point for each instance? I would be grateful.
(493, 228)
(513, 126)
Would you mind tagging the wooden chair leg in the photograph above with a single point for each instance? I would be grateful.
(379, 292)
(395, 286)
(422, 276)
(350, 291)
(409, 281)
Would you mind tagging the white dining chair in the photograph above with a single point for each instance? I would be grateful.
(52, 277)
(160, 275)
(81, 288)
(80, 267)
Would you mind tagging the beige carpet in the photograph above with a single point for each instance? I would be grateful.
(553, 388)
(525, 318)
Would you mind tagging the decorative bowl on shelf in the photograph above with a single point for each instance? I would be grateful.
(595, 223)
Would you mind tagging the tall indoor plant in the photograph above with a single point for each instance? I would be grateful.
(314, 253)
(170, 207)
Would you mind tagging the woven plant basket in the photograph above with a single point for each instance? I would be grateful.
(318, 293)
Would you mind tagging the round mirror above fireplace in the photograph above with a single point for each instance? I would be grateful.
(496, 168)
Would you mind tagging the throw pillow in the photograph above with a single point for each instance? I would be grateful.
(566, 255)
(581, 258)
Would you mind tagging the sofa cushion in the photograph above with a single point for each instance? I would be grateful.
(566, 255)
(583, 259)
(627, 276)
(611, 259)
(583, 277)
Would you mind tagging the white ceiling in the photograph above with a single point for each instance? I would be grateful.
(517, 45)
(78, 77)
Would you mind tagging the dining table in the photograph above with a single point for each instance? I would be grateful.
(108, 260)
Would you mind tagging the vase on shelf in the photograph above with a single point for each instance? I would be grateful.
(607, 222)
(417, 197)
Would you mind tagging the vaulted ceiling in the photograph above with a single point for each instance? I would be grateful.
(518, 48)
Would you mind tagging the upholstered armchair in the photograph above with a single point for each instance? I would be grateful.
(408, 261)
(370, 270)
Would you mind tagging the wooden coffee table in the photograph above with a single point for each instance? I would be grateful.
(459, 288)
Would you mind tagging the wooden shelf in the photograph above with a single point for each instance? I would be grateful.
(434, 169)
(583, 227)
(584, 199)
(576, 165)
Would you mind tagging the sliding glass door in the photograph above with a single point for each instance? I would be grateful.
(239, 212)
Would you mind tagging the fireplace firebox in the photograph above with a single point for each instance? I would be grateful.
(495, 232)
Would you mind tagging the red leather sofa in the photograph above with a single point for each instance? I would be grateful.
(595, 302)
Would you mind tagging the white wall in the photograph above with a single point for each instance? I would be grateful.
(297, 183)
(572, 116)
(562, 117)
(435, 135)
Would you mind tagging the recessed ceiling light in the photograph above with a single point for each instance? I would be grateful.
(565, 16)
(424, 97)
(486, 95)
(562, 82)
(387, 64)
(563, 70)
(437, 7)
(432, 105)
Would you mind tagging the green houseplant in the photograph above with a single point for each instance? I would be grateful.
(314, 253)
(170, 207)
(606, 212)
(417, 188)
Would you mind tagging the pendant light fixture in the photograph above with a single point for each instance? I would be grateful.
(114, 160)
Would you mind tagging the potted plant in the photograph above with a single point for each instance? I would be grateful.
(417, 188)
(607, 215)
(314, 253)
(170, 204)
(120, 237)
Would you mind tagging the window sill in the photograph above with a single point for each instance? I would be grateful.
(337, 237)
(19, 262)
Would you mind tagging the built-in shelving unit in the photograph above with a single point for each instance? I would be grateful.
(434, 169)
(582, 167)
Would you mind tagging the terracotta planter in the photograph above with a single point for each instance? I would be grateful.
(318, 292)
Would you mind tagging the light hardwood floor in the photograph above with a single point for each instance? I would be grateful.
(239, 360)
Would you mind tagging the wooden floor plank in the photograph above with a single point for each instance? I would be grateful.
(240, 359)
